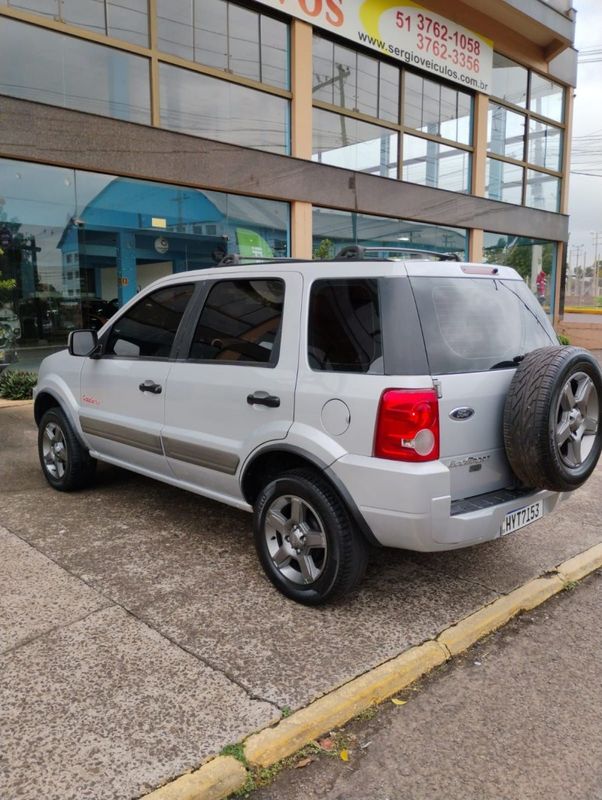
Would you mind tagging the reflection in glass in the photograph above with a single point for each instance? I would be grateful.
(503, 181)
(113, 83)
(433, 164)
(543, 191)
(333, 229)
(546, 97)
(533, 259)
(347, 142)
(434, 108)
(509, 81)
(349, 79)
(75, 245)
(204, 106)
(505, 132)
(545, 145)
(123, 19)
(226, 36)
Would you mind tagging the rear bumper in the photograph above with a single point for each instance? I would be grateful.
(411, 508)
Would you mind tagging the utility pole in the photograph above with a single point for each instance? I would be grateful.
(597, 237)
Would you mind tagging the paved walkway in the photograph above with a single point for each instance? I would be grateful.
(138, 635)
(516, 718)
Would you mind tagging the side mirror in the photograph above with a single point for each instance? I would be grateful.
(82, 342)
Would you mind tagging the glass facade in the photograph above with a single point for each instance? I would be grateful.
(520, 133)
(435, 113)
(534, 259)
(39, 64)
(334, 229)
(350, 79)
(75, 245)
(437, 109)
(348, 142)
(204, 106)
(123, 19)
(434, 164)
(225, 35)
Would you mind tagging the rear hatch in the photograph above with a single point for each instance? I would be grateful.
(477, 322)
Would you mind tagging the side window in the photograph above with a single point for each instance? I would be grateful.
(344, 326)
(149, 328)
(240, 322)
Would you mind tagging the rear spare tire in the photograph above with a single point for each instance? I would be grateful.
(551, 418)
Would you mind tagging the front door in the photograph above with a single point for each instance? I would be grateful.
(122, 402)
(235, 389)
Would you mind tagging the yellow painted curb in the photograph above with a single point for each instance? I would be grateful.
(213, 781)
(339, 706)
(225, 774)
(581, 310)
(578, 567)
(461, 636)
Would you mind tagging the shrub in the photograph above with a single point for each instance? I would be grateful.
(562, 339)
(17, 384)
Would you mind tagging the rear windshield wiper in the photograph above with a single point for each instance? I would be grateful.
(507, 364)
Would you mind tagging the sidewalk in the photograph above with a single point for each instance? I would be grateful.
(138, 635)
(516, 718)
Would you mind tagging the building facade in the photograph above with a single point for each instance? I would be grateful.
(144, 137)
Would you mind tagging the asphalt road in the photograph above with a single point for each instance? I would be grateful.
(517, 718)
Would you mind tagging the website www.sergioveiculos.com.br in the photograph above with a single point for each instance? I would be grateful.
(411, 57)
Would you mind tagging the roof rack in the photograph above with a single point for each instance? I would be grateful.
(234, 259)
(356, 252)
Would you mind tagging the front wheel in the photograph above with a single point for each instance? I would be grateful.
(66, 464)
(307, 545)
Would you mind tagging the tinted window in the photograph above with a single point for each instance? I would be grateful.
(149, 328)
(344, 327)
(474, 324)
(240, 322)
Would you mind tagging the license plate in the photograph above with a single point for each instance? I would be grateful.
(514, 520)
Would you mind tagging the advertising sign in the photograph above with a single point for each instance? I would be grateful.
(405, 31)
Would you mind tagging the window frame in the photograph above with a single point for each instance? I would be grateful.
(196, 306)
(180, 331)
(380, 299)
(529, 115)
(399, 127)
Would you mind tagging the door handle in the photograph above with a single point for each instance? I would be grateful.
(263, 399)
(150, 386)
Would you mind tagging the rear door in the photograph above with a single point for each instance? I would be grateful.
(234, 389)
(474, 325)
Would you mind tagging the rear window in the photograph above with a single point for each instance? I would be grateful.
(344, 326)
(475, 324)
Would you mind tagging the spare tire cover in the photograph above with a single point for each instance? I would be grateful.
(551, 418)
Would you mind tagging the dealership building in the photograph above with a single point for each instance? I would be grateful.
(144, 137)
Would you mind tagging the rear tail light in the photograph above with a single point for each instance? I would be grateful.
(407, 427)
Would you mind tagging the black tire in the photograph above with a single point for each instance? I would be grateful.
(537, 418)
(70, 467)
(339, 567)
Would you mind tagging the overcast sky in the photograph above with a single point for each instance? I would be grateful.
(585, 200)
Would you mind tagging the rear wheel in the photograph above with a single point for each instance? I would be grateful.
(307, 545)
(552, 418)
(66, 464)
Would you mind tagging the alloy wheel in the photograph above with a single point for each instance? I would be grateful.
(296, 540)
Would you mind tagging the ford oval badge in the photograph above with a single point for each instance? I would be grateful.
(464, 412)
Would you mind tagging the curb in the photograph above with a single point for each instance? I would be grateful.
(223, 775)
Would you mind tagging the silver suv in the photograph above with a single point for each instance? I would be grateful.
(402, 403)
